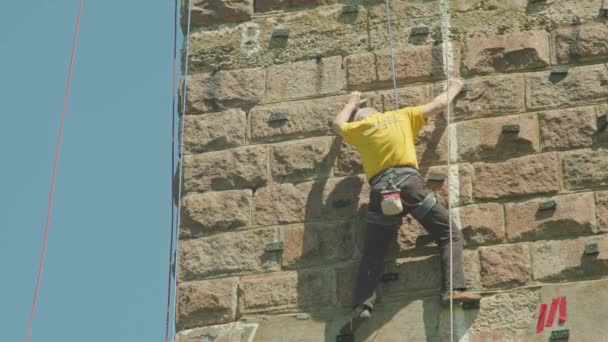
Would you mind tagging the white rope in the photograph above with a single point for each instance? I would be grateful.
(181, 160)
(390, 46)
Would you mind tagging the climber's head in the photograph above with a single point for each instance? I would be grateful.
(364, 112)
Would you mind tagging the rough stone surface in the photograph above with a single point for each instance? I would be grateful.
(245, 167)
(215, 131)
(213, 211)
(268, 5)
(347, 162)
(286, 290)
(582, 85)
(505, 265)
(361, 71)
(227, 253)
(601, 199)
(567, 128)
(581, 43)
(317, 243)
(432, 142)
(462, 191)
(231, 332)
(280, 204)
(345, 284)
(490, 97)
(481, 223)
(206, 302)
(529, 175)
(573, 215)
(305, 79)
(480, 139)
(218, 91)
(565, 259)
(306, 119)
(585, 168)
(301, 160)
(415, 273)
(472, 270)
(206, 12)
(505, 53)
(408, 97)
(293, 327)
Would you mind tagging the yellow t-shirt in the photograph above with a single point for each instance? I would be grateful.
(386, 139)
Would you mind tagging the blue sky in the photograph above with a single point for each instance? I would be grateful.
(106, 263)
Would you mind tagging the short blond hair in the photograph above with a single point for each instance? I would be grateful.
(364, 112)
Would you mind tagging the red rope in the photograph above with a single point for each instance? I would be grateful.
(54, 177)
(173, 89)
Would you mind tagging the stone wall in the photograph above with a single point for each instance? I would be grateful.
(272, 210)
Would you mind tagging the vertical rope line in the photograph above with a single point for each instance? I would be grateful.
(181, 153)
(390, 46)
(171, 239)
(66, 97)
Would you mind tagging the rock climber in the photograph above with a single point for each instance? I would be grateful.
(385, 142)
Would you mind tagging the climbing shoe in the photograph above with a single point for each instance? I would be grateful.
(462, 297)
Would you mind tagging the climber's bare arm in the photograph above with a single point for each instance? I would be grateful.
(441, 102)
(353, 103)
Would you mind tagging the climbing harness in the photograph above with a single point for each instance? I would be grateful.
(423, 208)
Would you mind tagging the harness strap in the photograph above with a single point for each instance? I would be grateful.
(424, 207)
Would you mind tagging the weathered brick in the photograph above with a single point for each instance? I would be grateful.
(322, 199)
(565, 259)
(412, 64)
(215, 131)
(529, 175)
(348, 162)
(480, 224)
(301, 160)
(361, 71)
(286, 290)
(489, 97)
(505, 53)
(408, 97)
(601, 137)
(415, 273)
(432, 142)
(205, 213)
(585, 168)
(480, 139)
(304, 79)
(345, 284)
(581, 85)
(409, 236)
(472, 270)
(321, 32)
(601, 199)
(217, 91)
(505, 265)
(463, 189)
(267, 5)
(231, 332)
(581, 43)
(206, 302)
(206, 12)
(227, 253)
(402, 9)
(305, 119)
(245, 167)
(574, 214)
(567, 128)
(292, 327)
(316, 243)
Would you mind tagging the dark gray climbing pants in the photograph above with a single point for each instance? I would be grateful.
(381, 230)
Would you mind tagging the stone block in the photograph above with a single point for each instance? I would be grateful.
(567, 128)
(292, 327)
(432, 142)
(581, 43)
(245, 167)
(227, 253)
(408, 97)
(361, 71)
(409, 236)
(317, 243)
(585, 168)
(203, 214)
(530, 175)
(206, 302)
(268, 5)
(480, 223)
(305, 119)
(479, 139)
(231, 332)
(492, 96)
(218, 91)
(505, 53)
(472, 270)
(415, 273)
(280, 204)
(209, 12)
(573, 215)
(215, 131)
(565, 259)
(505, 265)
(286, 290)
(601, 200)
(321, 32)
(581, 86)
(462, 190)
(345, 283)
(348, 162)
(305, 79)
(301, 160)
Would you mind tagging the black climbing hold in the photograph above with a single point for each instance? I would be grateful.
(592, 249)
(341, 203)
(278, 116)
(465, 88)
(350, 8)
(274, 246)
(559, 70)
(386, 277)
(470, 305)
(510, 128)
(280, 33)
(547, 205)
(420, 30)
(345, 338)
(604, 12)
(562, 334)
(435, 177)
(602, 122)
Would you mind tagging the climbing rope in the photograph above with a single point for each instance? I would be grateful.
(390, 47)
(66, 97)
(171, 237)
(175, 231)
